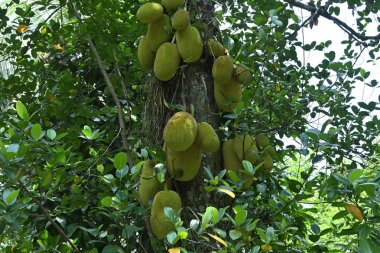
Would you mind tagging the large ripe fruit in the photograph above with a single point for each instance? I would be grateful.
(190, 44)
(145, 55)
(215, 48)
(242, 74)
(159, 223)
(222, 69)
(149, 12)
(227, 96)
(245, 148)
(180, 20)
(172, 5)
(167, 61)
(159, 32)
(207, 139)
(180, 131)
(184, 165)
(149, 184)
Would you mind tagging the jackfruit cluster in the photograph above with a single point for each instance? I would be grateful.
(154, 49)
(185, 140)
(257, 151)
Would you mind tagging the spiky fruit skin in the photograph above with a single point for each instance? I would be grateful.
(166, 62)
(262, 141)
(160, 225)
(149, 12)
(180, 131)
(222, 69)
(241, 144)
(184, 165)
(242, 74)
(207, 139)
(159, 32)
(172, 5)
(181, 20)
(190, 44)
(145, 55)
(149, 184)
(355, 211)
(215, 48)
(227, 96)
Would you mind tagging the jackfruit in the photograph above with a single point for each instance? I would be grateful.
(159, 223)
(232, 162)
(245, 148)
(207, 139)
(222, 69)
(267, 166)
(149, 184)
(180, 20)
(262, 141)
(230, 159)
(184, 165)
(172, 5)
(227, 96)
(215, 48)
(145, 55)
(167, 61)
(355, 211)
(149, 12)
(190, 44)
(180, 131)
(242, 74)
(270, 150)
(159, 32)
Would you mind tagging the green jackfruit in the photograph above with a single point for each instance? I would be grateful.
(166, 62)
(190, 44)
(159, 32)
(267, 166)
(184, 165)
(242, 74)
(180, 131)
(262, 141)
(215, 48)
(145, 55)
(149, 184)
(149, 12)
(207, 139)
(222, 69)
(159, 223)
(172, 5)
(180, 20)
(227, 96)
(270, 150)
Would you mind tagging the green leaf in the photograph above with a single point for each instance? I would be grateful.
(355, 174)
(112, 249)
(9, 197)
(240, 217)
(315, 228)
(100, 168)
(248, 167)
(211, 215)
(106, 201)
(235, 234)
(294, 185)
(46, 179)
(22, 111)
(262, 234)
(120, 160)
(51, 134)
(172, 237)
(270, 234)
(36, 131)
(340, 215)
(369, 188)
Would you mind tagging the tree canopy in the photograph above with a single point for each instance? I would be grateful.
(80, 117)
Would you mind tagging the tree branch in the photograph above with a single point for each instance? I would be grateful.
(110, 87)
(323, 12)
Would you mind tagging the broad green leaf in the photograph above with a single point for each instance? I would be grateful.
(240, 217)
(340, 215)
(355, 174)
(36, 131)
(172, 237)
(315, 228)
(22, 111)
(182, 233)
(106, 201)
(112, 249)
(51, 134)
(120, 160)
(9, 196)
(46, 179)
(369, 188)
(100, 168)
(235, 234)
(248, 167)
(211, 215)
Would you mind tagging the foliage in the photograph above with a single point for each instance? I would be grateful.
(64, 173)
